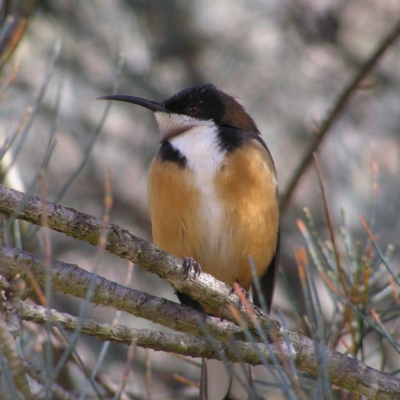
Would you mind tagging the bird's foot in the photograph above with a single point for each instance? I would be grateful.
(190, 264)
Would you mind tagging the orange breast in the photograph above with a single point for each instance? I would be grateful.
(174, 206)
(245, 188)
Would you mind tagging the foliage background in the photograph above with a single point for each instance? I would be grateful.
(287, 61)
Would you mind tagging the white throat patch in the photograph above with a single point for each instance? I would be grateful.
(197, 140)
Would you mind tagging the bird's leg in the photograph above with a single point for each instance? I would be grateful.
(190, 264)
(244, 295)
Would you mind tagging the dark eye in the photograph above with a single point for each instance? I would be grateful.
(192, 109)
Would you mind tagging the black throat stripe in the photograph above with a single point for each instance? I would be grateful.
(168, 153)
(229, 138)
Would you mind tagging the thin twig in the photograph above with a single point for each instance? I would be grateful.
(344, 371)
(338, 108)
(9, 349)
(58, 391)
(330, 225)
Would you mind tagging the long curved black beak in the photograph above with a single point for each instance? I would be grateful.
(149, 104)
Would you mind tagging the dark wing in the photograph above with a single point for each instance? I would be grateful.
(267, 281)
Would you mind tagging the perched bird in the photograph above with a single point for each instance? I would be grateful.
(213, 198)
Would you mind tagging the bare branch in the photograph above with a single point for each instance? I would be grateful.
(344, 371)
(187, 345)
(70, 279)
(338, 108)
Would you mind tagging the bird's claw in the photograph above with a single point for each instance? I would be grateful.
(190, 264)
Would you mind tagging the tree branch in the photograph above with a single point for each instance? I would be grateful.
(344, 371)
(72, 280)
(186, 345)
(338, 108)
(205, 288)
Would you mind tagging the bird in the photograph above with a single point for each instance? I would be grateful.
(213, 200)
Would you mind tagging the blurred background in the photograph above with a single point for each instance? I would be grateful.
(287, 61)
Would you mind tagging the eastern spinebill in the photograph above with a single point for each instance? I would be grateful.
(213, 199)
